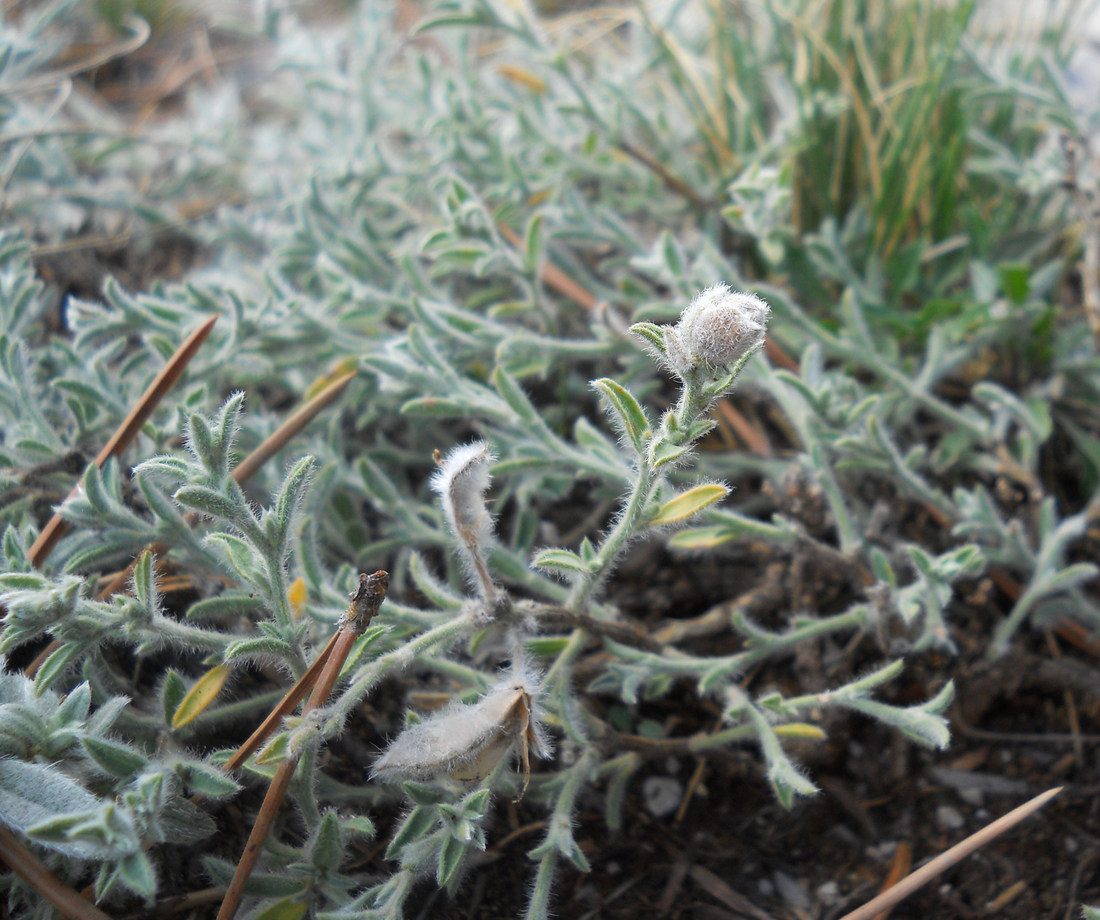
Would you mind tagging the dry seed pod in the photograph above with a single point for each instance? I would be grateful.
(466, 742)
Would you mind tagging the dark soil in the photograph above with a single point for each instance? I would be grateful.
(727, 849)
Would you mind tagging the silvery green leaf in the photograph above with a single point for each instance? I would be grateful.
(208, 501)
(184, 822)
(417, 825)
(113, 758)
(55, 667)
(31, 794)
(563, 560)
(451, 853)
(206, 780)
(136, 872)
(263, 648)
(326, 849)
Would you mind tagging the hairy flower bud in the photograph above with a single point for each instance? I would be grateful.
(722, 326)
(461, 481)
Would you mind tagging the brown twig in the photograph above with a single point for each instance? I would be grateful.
(948, 858)
(281, 436)
(764, 597)
(754, 440)
(899, 868)
(626, 633)
(674, 182)
(119, 49)
(178, 904)
(56, 528)
(364, 605)
(284, 708)
(34, 872)
(778, 356)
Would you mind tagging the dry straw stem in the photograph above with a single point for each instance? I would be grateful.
(365, 602)
(553, 276)
(285, 707)
(948, 858)
(34, 872)
(56, 528)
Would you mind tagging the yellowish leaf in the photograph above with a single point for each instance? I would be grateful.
(690, 502)
(523, 77)
(200, 696)
(701, 537)
(800, 730)
(335, 372)
(292, 908)
(296, 595)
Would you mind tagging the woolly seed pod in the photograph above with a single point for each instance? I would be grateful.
(466, 742)
(721, 326)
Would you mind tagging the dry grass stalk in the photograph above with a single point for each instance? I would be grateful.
(364, 605)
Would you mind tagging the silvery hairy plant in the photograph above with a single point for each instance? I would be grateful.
(470, 742)
(383, 248)
(523, 705)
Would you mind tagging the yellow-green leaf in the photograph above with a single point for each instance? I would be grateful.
(701, 537)
(200, 696)
(276, 750)
(292, 908)
(334, 373)
(693, 500)
(800, 730)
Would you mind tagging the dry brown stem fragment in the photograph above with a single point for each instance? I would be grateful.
(34, 872)
(56, 528)
(949, 857)
(365, 601)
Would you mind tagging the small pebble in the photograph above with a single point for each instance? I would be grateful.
(791, 890)
(882, 852)
(828, 893)
(972, 796)
(662, 795)
(949, 818)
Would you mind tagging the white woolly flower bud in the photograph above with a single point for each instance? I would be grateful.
(461, 481)
(721, 326)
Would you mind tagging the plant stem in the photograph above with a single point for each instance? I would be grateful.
(399, 658)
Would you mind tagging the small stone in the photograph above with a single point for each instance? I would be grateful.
(791, 890)
(972, 796)
(662, 795)
(949, 818)
(828, 893)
